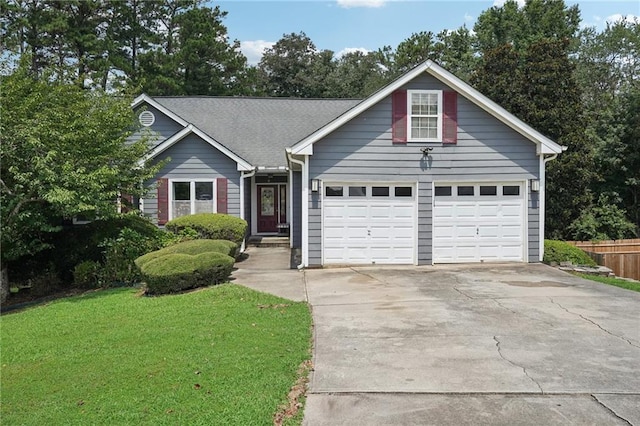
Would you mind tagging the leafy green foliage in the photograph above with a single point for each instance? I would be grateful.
(113, 358)
(192, 247)
(521, 26)
(560, 251)
(603, 221)
(64, 154)
(175, 272)
(86, 274)
(213, 226)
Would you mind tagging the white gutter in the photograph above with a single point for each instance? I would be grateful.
(542, 194)
(243, 176)
(305, 208)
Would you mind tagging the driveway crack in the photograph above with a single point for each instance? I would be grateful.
(609, 409)
(589, 320)
(522, 314)
(526, 373)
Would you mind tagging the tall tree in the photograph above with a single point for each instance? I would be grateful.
(284, 67)
(210, 62)
(64, 152)
(521, 26)
(356, 75)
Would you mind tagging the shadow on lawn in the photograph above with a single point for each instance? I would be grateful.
(70, 295)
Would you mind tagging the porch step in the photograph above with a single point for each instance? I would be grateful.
(262, 241)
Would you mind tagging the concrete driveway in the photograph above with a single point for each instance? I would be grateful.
(508, 344)
(489, 344)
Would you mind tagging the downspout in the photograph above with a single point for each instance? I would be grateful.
(543, 191)
(305, 207)
(243, 176)
(290, 206)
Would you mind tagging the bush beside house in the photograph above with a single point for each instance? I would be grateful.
(560, 251)
(186, 265)
(192, 247)
(214, 226)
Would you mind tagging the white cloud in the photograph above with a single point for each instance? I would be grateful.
(618, 17)
(348, 4)
(254, 49)
(468, 18)
(501, 3)
(346, 50)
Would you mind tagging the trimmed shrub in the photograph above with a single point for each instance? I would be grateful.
(192, 247)
(175, 272)
(214, 226)
(560, 251)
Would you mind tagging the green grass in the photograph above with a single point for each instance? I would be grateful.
(618, 282)
(222, 355)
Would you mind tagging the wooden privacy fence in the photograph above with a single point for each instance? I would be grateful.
(621, 256)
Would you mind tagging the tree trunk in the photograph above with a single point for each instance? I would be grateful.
(4, 283)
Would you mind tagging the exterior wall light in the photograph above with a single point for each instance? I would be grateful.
(535, 185)
(315, 184)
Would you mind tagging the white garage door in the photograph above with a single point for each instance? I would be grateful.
(478, 222)
(368, 223)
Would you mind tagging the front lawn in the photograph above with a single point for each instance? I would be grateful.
(221, 355)
(618, 282)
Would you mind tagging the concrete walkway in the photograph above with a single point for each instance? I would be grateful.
(466, 345)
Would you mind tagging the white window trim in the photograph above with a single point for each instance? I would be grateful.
(192, 194)
(439, 124)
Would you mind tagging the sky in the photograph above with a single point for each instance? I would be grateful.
(344, 25)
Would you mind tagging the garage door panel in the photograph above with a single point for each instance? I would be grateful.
(371, 229)
(480, 228)
(490, 210)
(465, 231)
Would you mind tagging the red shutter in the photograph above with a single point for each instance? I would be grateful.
(450, 119)
(163, 201)
(221, 195)
(399, 116)
(126, 203)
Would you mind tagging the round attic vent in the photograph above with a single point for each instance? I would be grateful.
(146, 118)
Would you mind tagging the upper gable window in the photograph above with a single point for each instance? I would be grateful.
(425, 115)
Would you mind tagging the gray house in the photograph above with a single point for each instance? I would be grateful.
(426, 170)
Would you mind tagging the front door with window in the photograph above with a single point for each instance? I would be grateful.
(268, 208)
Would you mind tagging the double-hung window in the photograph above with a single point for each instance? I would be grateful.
(425, 115)
(191, 197)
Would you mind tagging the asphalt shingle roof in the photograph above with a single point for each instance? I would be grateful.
(257, 129)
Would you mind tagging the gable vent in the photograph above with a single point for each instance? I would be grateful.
(146, 118)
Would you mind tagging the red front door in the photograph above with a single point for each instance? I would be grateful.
(268, 208)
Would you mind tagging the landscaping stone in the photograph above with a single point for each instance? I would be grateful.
(602, 271)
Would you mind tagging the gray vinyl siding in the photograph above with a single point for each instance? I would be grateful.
(297, 209)
(192, 158)
(362, 150)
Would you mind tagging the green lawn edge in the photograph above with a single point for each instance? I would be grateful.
(618, 282)
(221, 355)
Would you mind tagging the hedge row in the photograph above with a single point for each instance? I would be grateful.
(191, 247)
(175, 272)
(215, 226)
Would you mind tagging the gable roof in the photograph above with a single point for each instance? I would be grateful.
(256, 129)
(543, 143)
